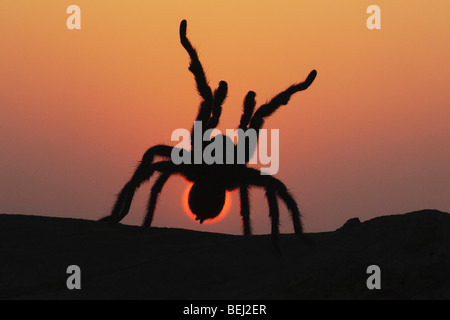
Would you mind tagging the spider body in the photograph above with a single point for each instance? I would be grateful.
(211, 181)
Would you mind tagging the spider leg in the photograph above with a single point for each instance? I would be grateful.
(219, 98)
(156, 190)
(292, 207)
(253, 177)
(245, 209)
(275, 187)
(249, 107)
(196, 68)
(122, 204)
(282, 98)
(143, 172)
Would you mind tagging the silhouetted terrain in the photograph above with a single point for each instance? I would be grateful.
(125, 262)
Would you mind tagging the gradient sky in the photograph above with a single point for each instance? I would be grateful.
(79, 108)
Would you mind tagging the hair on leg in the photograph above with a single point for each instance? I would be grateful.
(245, 210)
(219, 98)
(155, 192)
(143, 172)
(282, 98)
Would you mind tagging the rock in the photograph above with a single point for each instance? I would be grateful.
(126, 262)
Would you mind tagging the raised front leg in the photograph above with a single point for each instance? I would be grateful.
(204, 112)
(219, 98)
(279, 100)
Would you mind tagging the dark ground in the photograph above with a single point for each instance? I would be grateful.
(124, 262)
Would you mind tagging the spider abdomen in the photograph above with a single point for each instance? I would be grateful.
(206, 200)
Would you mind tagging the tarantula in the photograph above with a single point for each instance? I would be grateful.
(211, 181)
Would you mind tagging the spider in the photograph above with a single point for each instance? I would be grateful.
(211, 181)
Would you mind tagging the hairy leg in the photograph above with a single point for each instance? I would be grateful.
(196, 67)
(219, 98)
(155, 192)
(245, 209)
(206, 106)
(249, 107)
(292, 207)
(274, 185)
(282, 98)
(142, 173)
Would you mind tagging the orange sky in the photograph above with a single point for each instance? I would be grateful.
(79, 108)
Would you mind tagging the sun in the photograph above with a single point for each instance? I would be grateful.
(222, 214)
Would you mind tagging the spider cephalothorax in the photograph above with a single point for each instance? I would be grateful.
(211, 181)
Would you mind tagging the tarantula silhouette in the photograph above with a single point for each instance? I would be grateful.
(211, 181)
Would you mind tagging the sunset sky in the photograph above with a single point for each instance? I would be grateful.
(78, 108)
